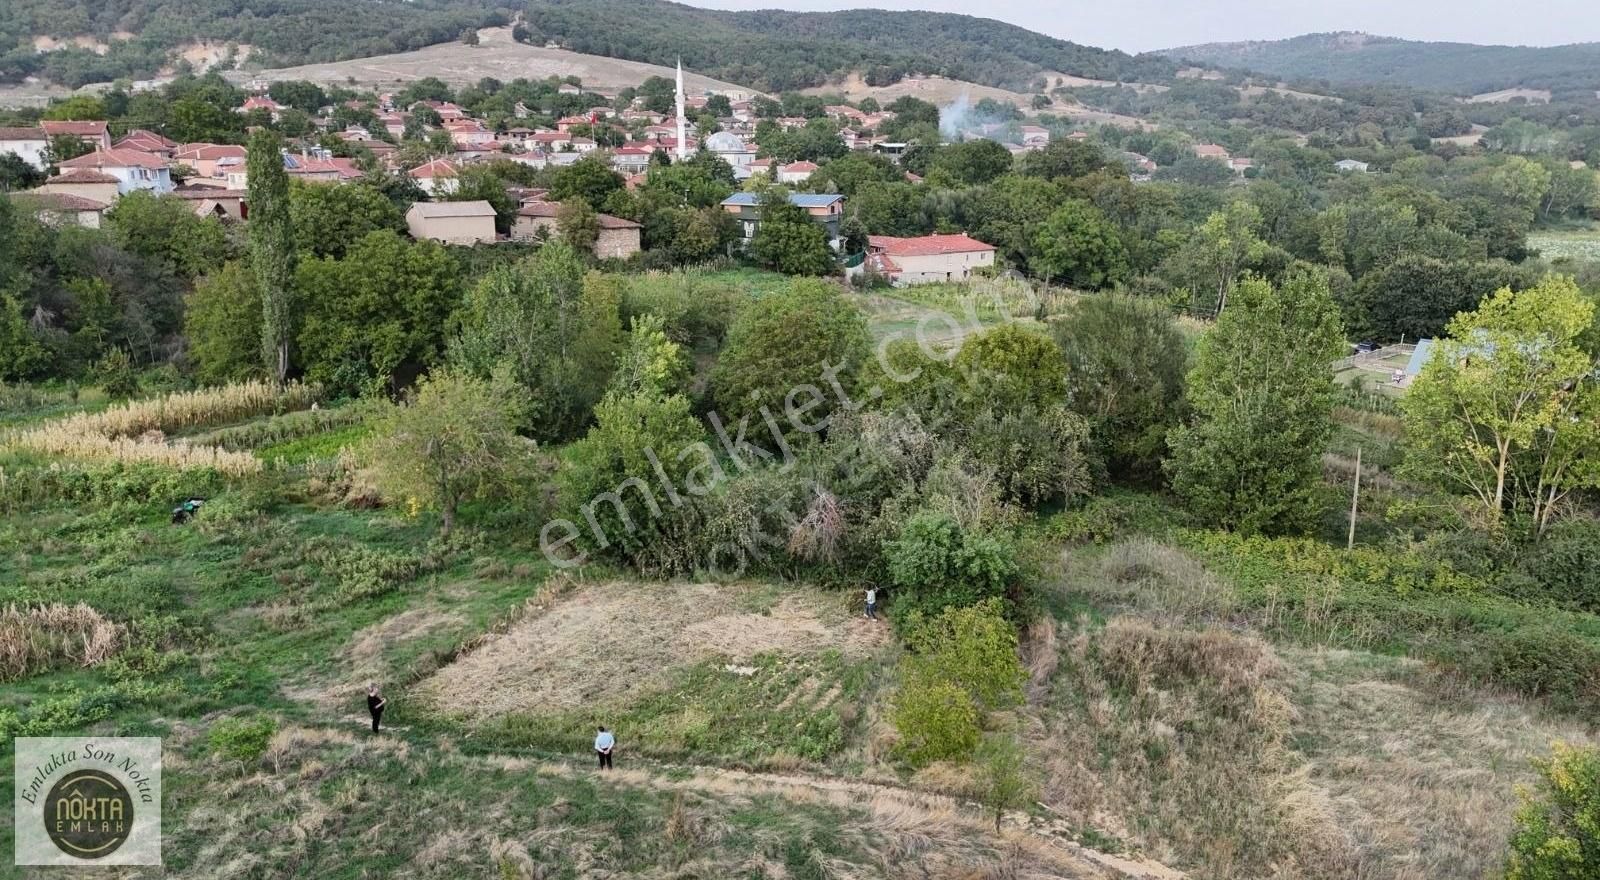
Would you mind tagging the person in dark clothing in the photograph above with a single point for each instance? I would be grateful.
(375, 704)
(604, 742)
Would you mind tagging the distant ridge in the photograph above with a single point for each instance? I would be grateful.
(1460, 68)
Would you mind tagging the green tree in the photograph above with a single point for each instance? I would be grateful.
(77, 108)
(609, 480)
(1064, 158)
(480, 183)
(66, 147)
(222, 321)
(652, 362)
(1003, 780)
(451, 441)
(1079, 246)
(1557, 833)
(1125, 368)
(377, 315)
(935, 565)
(579, 225)
(165, 231)
(1507, 409)
(559, 332)
(272, 247)
(796, 339)
(1016, 367)
(787, 240)
(1224, 246)
(971, 163)
(588, 178)
(327, 220)
(1262, 396)
(963, 664)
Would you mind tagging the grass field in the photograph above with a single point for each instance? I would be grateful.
(1198, 705)
(1566, 244)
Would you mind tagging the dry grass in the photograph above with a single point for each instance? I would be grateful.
(34, 639)
(1154, 579)
(1417, 774)
(1177, 742)
(616, 642)
(136, 431)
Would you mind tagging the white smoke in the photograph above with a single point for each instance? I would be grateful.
(953, 117)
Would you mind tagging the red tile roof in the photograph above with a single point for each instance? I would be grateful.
(54, 201)
(436, 168)
(926, 245)
(82, 175)
(114, 158)
(206, 152)
(23, 134)
(94, 129)
(800, 166)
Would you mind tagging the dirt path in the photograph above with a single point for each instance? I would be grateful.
(895, 809)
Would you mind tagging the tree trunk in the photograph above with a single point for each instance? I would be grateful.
(449, 519)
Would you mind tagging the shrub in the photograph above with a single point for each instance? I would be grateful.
(241, 739)
(937, 721)
(974, 648)
(1566, 564)
(1557, 834)
(935, 564)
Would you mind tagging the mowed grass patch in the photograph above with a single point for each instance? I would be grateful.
(750, 673)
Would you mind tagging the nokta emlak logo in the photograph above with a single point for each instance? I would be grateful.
(88, 814)
(94, 801)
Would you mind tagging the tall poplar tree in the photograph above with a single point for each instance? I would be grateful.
(272, 254)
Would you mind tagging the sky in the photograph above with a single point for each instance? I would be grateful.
(1143, 25)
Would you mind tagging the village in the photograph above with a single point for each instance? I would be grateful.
(625, 136)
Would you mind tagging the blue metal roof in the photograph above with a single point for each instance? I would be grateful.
(804, 200)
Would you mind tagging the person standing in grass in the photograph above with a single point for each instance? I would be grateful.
(604, 742)
(872, 603)
(375, 704)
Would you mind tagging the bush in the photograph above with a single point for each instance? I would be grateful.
(974, 648)
(935, 564)
(1566, 564)
(937, 721)
(1557, 834)
(241, 739)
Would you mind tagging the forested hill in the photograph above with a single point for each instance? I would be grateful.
(771, 50)
(778, 50)
(1461, 68)
(140, 35)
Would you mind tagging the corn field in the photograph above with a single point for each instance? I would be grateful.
(136, 431)
(32, 639)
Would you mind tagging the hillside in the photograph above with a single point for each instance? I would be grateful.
(495, 56)
(138, 37)
(779, 50)
(1459, 68)
(771, 50)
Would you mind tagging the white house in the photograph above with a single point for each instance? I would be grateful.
(436, 178)
(29, 144)
(132, 169)
(796, 172)
(1348, 165)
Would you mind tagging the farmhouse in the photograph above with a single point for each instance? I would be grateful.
(61, 209)
(826, 209)
(927, 258)
(452, 222)
(618, 238)
(84, 183)
(1350, 165)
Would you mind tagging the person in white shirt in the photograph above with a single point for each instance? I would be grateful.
(872, 603)
(604, 742)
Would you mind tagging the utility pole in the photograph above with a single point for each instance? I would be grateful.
(1355, 498)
